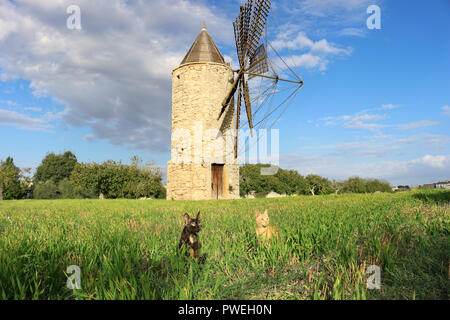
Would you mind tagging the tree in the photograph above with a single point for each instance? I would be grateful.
(115, 180)
(359, 185)
(149, 166)
(26, 181)
(85, 180)
(46, 190)
(55, 167)
(251, 180)
(355, 185)
(374, 185)
(338, 186)
(316, 185)
(10, 184)
(293, 180)
(65, 189)
(284, 181)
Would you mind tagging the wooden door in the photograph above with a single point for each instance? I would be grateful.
(217, 181)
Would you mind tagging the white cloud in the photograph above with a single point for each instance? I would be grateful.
(11, 103)
(418, 125)
(434, 161)
(35, 109)
(335, 17)
(382, 146)
(89, 137)
(357, 121)
(389, 106)
(353, 32)
(446, 110)
(15, 119)
(426, 169)
(323, 8)
(319, 52)
(371, 121)
(114, 75)
(302, 42)
(372, 157)
(423, 141)
(308, 61)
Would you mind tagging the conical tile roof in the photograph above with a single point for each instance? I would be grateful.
(203, 49)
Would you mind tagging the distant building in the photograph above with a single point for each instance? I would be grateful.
(438, 185)
(443, 185)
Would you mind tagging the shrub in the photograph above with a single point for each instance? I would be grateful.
(355, 185)
(115, 180)
(66, 189)
(283, 182)
(359, 185)
(46, 190)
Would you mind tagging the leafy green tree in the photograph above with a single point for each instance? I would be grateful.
(10, 184)
(65, 189)
(283, 182)
(374, 185)
(316, 185)
(26, 181)
(250, 180)
(355, 185)
(55, 167)
(46, 190)
(359, 185)
(115, 180)
(338, 186)
(85, 180)
(292, 180)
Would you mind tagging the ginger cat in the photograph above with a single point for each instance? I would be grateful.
(263, 230)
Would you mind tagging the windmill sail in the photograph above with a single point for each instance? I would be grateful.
(257, 25)
(258, 63)
(241, 28)
(238, 120)
(249, 28)
(248, 105)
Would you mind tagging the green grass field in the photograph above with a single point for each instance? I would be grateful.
(127, 249)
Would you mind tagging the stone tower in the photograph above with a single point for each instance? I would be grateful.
(202, 164)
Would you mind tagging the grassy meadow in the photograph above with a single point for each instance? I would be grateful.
(127, 249)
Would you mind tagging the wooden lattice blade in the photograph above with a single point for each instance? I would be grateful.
(248, 106)
(241, 30)
(258, 63)
(257, 25)
(238, 119)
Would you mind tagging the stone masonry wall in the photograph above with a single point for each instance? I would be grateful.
(197, 93)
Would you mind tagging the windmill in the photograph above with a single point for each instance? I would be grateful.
(249, 28)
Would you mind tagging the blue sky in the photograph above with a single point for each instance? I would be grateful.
(375, 103)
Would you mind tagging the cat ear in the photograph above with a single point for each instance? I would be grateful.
(198, 216)
(257, 214)
(186, 217)
(265, 212)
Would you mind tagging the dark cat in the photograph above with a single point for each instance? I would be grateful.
(189, 237)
